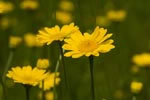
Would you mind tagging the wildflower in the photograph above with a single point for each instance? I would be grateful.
(142, 60)
(49, 95)
(66, 5)
(14, 41)
(136, 87)
(49, 81)
(27, 75)
(6, 7)
(116, 15)
(29, 4)
(42, 63)
(5, 22)
(48, 35)
(31, 41)
(63, 17)
(102, 21)
(88, 44)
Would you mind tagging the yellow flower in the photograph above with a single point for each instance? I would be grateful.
(63, 17)
(14, 41)
(42, 63)
(6, 7)
(29, 4)
(31, 41)
(49, 96)
(27, 75)
(88, 44)
(48, 35)
(49, 81)
(116, 15)
(66, 5)
(136, 87)
(102, 21)
(142, 60)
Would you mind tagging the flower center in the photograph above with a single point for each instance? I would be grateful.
(87, 46)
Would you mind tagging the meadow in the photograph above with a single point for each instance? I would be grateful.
(74, 50)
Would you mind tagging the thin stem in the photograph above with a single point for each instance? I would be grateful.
(56, 70)
(63, 64)
(92, 77)
(43, 92)
(27, 92)
(4, 73)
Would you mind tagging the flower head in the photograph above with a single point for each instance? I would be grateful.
(27, 75)
(142, 60)
(14, 41)
(6, 7)
(63, 17)
(88, 44)
(136, 87)
(42, 63)
(31, 41)
(116, 15)
(102, 21)
(49, 81)
(48, 35)
(66, 5)
(29, 4)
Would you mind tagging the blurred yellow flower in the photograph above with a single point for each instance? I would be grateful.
(49, 81)
(102, 21)
(42, 63)
(6, 7)
(31, 41)
(118, 15)
(88, 44)
(63, 17)
(142, 60)
(136, 87)
(14, 41)
(27, 75)
(48, 35)
(49, 95)
(29, 4)
(66, 5)
(5, 22)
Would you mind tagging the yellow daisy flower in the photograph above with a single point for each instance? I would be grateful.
(27, 75)
(49, 81)
(31, 41)
(142, 59)
(14, 41)
(48, 35)
(42, 63)
(88, 44)
(29, 4)
(116, 15)
(136, 87)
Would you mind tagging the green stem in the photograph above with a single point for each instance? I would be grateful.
(63, 64)
(56, 70)
(27, 92)
(4, 74)
(43, 92)
(92, 77)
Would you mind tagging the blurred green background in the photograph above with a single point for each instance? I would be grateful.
(112, 71)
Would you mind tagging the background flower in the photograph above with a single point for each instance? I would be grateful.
(27, 75)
